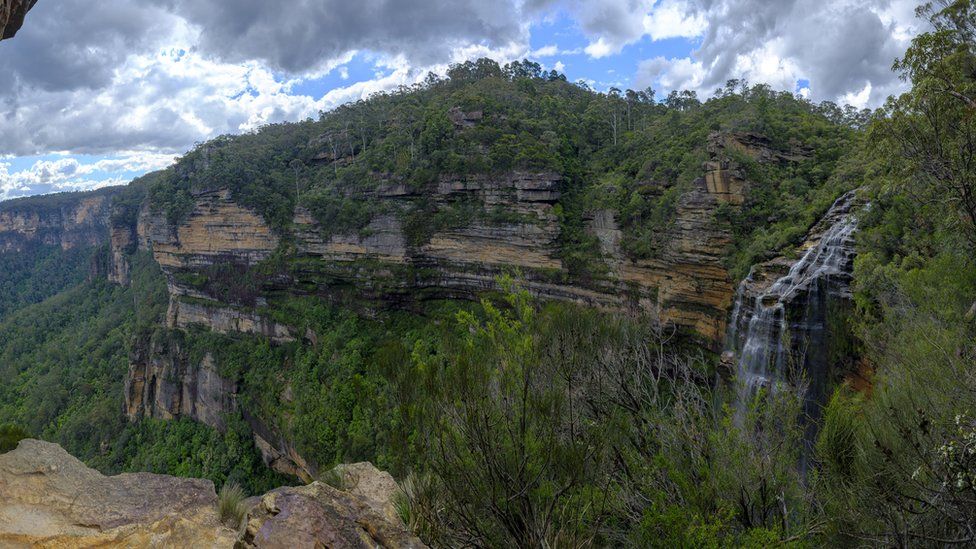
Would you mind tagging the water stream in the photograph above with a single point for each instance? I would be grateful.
(781, 332)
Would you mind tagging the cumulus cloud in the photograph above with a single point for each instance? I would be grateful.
(70, 174)
(837, 45)
(613, 24)
(301, 34)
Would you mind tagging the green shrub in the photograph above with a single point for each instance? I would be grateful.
(230, 504)
(10, 436)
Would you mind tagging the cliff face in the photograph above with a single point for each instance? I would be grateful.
(687, 286)
(66, 221)
(788, 315)
(163, 383)
(223, 263)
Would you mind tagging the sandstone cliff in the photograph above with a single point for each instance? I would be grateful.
(223, 262)
(687, 286)
(50, 499)
(68, 220)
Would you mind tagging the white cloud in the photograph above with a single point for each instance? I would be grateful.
(611, 25)
(836, 45)
(545, 51)
(143, 80)
(859, 99)
(70, 174)
(671, 19)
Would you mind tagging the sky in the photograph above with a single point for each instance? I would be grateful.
(97, 93)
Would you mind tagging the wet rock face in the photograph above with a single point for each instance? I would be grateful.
(781, 319)
(12, 14)
(82, 221)
(319, 515)
(50, 499)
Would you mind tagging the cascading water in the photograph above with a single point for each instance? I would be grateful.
(783, 327)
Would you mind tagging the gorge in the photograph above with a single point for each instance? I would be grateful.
(546, 312)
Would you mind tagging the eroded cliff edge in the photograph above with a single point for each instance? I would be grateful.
(67, 221)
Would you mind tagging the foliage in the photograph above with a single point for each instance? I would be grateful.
(230, 504)
(621, 150)
(39, 272)
(10, 436)
(896, 467)
(52, 204)
(62, 364)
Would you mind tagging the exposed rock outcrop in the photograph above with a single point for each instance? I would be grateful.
(164, 383)
(687, 285)
(12, 14)
(216, 230)
(184, 313)
(67, 221)
(497, 224)
(725, 178)
(376, 487)
(50, 499)
(319, 515)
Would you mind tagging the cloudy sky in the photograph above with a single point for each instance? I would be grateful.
(96, 93)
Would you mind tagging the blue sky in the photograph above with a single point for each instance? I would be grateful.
(150, 78)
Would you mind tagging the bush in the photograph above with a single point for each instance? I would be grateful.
(10, 436)
(230, 504)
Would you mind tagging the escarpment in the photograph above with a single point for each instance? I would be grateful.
(503, 224)
(226, 267)
(67, 221)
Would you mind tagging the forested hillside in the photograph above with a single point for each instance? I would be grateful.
(520, 296)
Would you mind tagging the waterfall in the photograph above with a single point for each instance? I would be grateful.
(782, 327)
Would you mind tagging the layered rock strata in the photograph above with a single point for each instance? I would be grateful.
(496, 225)
(66, 221)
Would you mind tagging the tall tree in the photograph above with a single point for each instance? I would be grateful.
(933, 126)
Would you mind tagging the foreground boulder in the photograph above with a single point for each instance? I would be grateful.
(377, 488)
(319, 515)
(50, 499)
